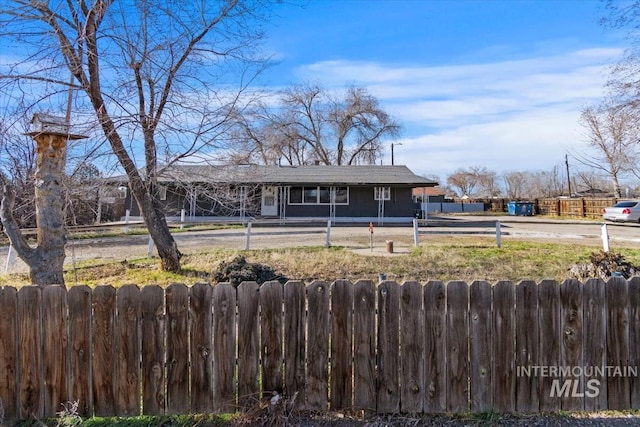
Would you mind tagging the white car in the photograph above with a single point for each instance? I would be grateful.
(624, 211)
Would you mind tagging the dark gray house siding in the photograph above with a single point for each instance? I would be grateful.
(361, 204)
(294, 192)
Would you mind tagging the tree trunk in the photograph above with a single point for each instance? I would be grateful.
(158, 229)
(46, 260)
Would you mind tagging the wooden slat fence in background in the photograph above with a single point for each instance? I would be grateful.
(384, 348)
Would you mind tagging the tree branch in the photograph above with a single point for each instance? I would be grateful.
(11, 228)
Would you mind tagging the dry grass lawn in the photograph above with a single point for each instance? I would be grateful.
(451, 258)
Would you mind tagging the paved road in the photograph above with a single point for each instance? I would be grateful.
(353, 237)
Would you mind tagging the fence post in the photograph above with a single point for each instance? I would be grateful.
(416, 236)
(150, 252)
(328, 243)
(182, 213)
(11, 259)
(498, 234)
(126, 221)
(605, 237)
(248, 234)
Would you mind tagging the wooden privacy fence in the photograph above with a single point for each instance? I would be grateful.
(386, 348)
(581, 207)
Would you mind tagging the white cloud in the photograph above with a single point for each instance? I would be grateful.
(506, 115)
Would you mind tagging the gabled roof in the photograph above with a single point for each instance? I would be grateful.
(295, 175)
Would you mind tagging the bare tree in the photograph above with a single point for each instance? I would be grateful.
(157, 76)
(624, 81)
(612, 135)
(18, 167)
(487, 182)
(309, 124)
(463, 182)
(474, 181)
(516, 184)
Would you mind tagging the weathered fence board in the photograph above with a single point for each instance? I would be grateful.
(480, 347)
(412, 343)
(549, 344)
(387, 348)
(594, 338)
(617, 295)
(457, 346)
(104, 356)
(504, 347)
(29, 337)
(224, 348)
(271, 299)
(177, 303)
(634, 338)
(9, 370)
(55, 350)
(127, 373)
(572, 344)
(435, 314)
(80, 333)
(527, 337)
(248, 344)
(318, 346)
(388, 388)
(294, 345)
(201, 348)
(341, 345)
(153, 330)
(364, 345)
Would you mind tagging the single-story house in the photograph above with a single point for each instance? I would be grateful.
(340, 193)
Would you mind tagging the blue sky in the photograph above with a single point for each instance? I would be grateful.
(498, 84)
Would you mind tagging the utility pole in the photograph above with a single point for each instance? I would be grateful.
(566, 162)
(392, 159)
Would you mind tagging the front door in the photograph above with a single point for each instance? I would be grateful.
(269, 201)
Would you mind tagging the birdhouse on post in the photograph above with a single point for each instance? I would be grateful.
(51, 134)
(47, 124)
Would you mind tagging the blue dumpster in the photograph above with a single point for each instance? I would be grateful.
(520, 208)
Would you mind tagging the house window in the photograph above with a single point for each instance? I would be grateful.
(310, 195)
(325, 195)
(295, 195)
(317, 195)
(162, 192)
(382, 193)
(342, 195)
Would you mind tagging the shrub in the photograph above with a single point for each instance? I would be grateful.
(238, 270)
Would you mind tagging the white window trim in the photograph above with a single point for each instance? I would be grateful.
(317, 202)
(386, 193)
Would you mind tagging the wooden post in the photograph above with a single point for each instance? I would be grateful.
(247, 243)
(126, 221)
(11, 259)
(328, 242)
(498, 234)
(605, 237)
